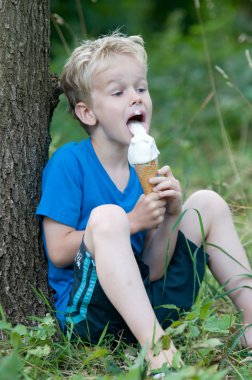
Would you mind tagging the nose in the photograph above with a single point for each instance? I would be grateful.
(135, 97)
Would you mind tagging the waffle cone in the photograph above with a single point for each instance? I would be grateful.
(145, 172)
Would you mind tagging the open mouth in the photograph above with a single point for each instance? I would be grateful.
(136, 121)
(137, 117)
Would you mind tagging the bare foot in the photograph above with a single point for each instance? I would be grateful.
(163, 357)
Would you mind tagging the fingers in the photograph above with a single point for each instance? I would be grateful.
(148, 213)
(165, 180)
(165, 171)
(165, 183)
(153, 201)
(164, 174)
(154, 209)
(166, 198)
(168, 188)
(154, 205)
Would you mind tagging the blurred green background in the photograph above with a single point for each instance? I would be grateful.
(200, 79)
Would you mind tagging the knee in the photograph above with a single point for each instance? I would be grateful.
(209, 201)
(108, 219)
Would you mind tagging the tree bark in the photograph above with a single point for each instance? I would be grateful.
(24, 140)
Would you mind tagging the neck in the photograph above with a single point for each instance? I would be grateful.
(113, 156)
(115, 162)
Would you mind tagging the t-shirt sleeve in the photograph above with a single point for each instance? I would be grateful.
(62, 189)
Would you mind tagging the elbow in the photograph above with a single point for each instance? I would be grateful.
(56, 259)
(57, 262)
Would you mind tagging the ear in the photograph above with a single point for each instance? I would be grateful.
(85, 114)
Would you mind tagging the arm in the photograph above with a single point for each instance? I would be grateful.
(62, 242)
(168, 190)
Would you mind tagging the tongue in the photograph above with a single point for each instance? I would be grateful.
(136, 128)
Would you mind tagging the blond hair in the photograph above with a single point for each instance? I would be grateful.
(91, 57)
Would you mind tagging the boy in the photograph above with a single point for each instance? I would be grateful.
(92, 203)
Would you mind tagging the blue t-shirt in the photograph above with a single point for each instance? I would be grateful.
(74, 183)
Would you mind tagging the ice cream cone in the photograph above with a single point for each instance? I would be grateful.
(143, 155)
(145, 172)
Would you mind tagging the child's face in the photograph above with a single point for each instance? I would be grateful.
(119, 96)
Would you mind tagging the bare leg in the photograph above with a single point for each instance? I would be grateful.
(107, 238)
(220, 230)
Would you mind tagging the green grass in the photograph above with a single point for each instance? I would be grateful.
(207, 338)
(201, 89)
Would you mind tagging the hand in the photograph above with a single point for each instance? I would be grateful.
(168, 188)
(148, 213)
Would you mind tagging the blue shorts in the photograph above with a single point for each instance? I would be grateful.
(90, 310)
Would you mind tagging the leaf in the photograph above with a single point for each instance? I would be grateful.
(163, 343)
(5, 325)
(40, 351)
(20, 330)
(205, 310)
(48, 320)
(157, 347)
(219, 324)
(168, 306)
(209, 343)
(191, 316)
(15, 340)
(176, 361)
(193, 331)
(180, 329)
(176, 324)
(166, 342)
(11, 367)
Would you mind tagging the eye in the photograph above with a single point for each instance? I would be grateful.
(117, 93)
(141, 89)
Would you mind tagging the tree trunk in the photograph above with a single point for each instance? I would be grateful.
(24, 140)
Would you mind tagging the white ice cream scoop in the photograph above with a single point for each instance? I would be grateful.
(136, 128)
(142, 148)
